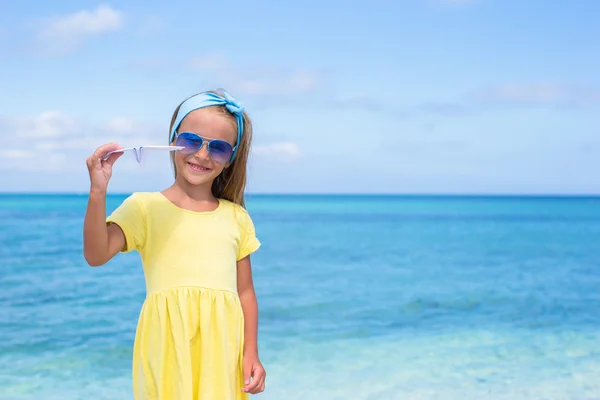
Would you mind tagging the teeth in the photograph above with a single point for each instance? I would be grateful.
(198, 168)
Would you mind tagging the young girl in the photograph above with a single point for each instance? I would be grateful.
(197, 331)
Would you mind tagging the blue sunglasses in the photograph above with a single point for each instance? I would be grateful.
(219, 150)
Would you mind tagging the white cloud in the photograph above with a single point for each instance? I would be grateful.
(63, 139)
(286, 151)
(121, 125)
(14, 154)
(256, 80)
(135, 131)
(538, 93)
(30, 160)
(279, 82)
(63, 34)
(524, 92)
(56, 141)
(47, 125)
(517, 94)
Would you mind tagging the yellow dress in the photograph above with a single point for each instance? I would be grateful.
(190, 334)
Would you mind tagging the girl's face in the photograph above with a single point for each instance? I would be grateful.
(200, 168)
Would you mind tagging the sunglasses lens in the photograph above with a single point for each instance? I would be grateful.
(220, 151)
(189, 141)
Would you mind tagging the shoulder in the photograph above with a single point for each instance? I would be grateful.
(141, 200)
(144, 196)
(147, 198)
(234, 207)
(241, 215)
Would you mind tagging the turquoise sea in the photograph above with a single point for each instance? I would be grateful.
(361, 297)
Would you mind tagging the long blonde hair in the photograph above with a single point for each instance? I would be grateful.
(231, 183)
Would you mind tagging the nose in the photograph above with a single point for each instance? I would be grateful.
(202, 152)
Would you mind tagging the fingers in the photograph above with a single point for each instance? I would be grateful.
(112, 158)
(247, 374)
(258, 382)
(95, 160)
(104, 149)
(260, 387)
(101, 151)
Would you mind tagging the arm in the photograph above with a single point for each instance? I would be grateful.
(252, 365)
(100, 243)
(249, 305)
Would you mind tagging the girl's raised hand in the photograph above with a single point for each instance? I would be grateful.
(100, 169)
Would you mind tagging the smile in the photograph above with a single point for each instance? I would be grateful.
(198, 168)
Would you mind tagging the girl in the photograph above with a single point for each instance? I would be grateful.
(197, 331)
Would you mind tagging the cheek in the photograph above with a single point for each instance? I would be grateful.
(180, 158)
(218, 168)
(179, 161)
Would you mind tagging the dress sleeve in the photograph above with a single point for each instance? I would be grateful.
(130, 216)
(248, 243)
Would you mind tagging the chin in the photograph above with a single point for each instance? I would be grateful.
(198, 180)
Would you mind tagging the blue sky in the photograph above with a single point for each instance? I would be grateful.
(414, 96)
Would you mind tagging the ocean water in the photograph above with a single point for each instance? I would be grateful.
(361, 297)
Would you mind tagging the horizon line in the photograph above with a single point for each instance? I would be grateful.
(341, 194)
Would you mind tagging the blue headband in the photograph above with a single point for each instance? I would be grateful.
(208, 99)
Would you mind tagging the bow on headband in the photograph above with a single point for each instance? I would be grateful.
(208, 99)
